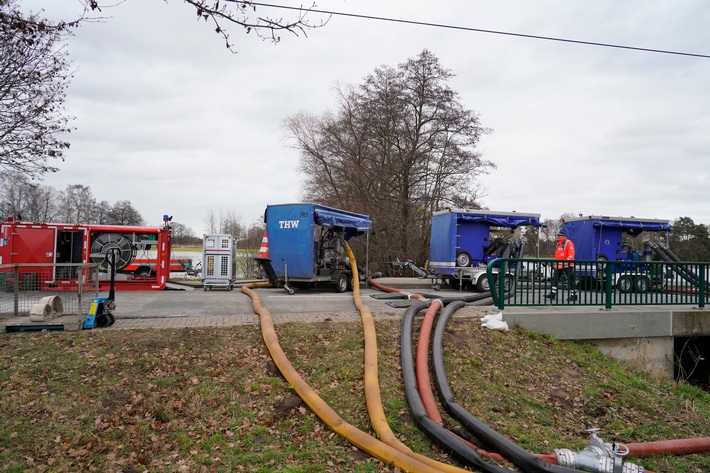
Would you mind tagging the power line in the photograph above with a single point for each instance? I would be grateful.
(477, 30)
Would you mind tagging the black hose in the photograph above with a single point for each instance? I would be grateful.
(439, 434)
(523, 459)
(669, 257)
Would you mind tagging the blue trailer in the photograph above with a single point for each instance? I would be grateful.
(462, 244)
(605, 238)
(306, 244)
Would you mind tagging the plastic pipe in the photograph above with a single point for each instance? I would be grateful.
(373, 397)
(516, 454)
(439, 434)
(667, 256)
(424, 383)
(669, 447)
(422, 363)
(357, 437)
(426, 393)
(384, 288)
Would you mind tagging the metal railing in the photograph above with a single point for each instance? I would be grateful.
(23, 285)
(529, 282)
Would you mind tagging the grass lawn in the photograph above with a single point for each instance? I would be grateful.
(213, 400)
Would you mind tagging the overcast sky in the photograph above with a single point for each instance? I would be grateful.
(167, 118)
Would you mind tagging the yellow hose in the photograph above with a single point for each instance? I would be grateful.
(372, 384)
(357, 437)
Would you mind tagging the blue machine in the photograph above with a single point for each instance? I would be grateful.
(461, 243)
(597, 237)
(306, 243)
(611, 239)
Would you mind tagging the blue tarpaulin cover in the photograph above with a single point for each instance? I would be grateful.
(291, 233)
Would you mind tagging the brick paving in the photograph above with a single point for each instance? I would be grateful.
(238, 320)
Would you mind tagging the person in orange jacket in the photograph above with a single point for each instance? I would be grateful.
(564, 253)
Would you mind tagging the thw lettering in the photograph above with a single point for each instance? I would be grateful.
(288, 223)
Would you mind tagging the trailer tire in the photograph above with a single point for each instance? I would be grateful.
(601, 267)
(482, 284)
(642, 284)
(341, 284)
(625, 284)
(144, 272)
(463, 259)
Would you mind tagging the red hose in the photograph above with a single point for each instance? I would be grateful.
(384, 288)
(636, 450)
(669, 447)
(422, 363)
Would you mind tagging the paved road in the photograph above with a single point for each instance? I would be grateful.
(171, 308)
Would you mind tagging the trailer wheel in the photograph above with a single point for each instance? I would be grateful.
(625, 284)
(341, 284)
(482, 284)
(601, 265)
(144, 272)
(463, 259)
(642, 284)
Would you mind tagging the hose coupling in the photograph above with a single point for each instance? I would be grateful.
(598, 457)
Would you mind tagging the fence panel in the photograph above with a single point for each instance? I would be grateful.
(27, 289)
(599, 283)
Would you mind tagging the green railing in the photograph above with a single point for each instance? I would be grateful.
(528, 282)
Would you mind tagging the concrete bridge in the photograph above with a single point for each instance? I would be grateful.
(666, 341)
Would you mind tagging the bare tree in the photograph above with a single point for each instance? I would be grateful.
(101, 212)
(77, 204)
(211, 223)
(399, 147)
(33, 79)
(123, 213)
(242, 14)
(182, 234)
(231, 224)
(25, 200)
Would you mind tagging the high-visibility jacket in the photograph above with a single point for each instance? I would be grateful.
(564, 251)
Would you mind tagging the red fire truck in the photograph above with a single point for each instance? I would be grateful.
(23, 244)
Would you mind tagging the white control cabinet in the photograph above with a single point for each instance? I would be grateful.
(218, 261)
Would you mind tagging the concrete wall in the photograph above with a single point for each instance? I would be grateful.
(642, 337)
(652, 355)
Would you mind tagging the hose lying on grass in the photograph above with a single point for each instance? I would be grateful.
(357, 437)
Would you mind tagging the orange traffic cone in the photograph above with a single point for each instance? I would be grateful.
(264, 250)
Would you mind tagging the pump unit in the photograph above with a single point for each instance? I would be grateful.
(307, 244)
(462, 243)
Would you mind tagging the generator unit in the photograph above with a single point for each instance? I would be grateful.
(307, 244)
(461, 243)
